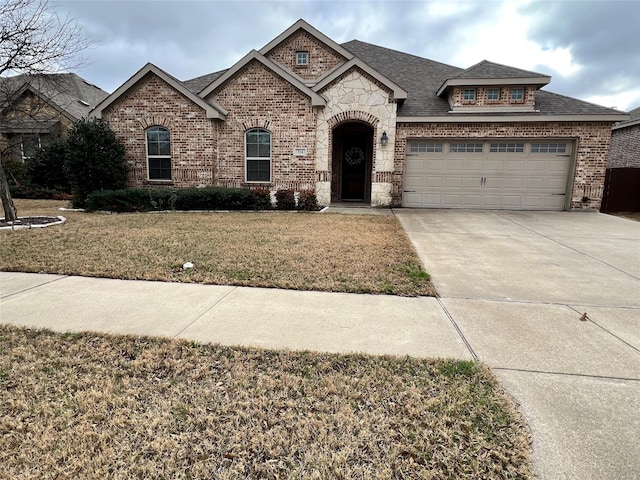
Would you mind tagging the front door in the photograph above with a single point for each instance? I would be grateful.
(354, 167)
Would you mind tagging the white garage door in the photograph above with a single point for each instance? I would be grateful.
(509, 175)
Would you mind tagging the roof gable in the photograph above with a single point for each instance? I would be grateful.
(302, 25)
(490, 73)
(68, 93)
(316, 99)
(398, 93)
(212, 109)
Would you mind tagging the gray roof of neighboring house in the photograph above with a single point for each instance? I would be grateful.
(67, 91)
(634, 119)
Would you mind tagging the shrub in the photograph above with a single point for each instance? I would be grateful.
(308, 201)
(94, 160)
(261, 199)
(214, 198)
(285, 199)
(35, 192)
(46, 168)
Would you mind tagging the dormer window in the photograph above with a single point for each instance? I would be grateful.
(302, 58)
(517, 94)
(493, 94)
(469, 95)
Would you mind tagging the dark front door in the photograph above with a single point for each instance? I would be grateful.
(354, 166)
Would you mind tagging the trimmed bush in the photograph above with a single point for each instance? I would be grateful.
(285, 199)
(214, 198)
(261, 199)
(15, 171)
(308, 201)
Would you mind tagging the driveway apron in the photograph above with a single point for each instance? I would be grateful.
(551, 301)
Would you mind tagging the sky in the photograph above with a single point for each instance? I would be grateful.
(591, 49)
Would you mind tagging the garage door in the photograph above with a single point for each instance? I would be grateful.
(509, 175)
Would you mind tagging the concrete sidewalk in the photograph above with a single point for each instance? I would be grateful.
(270, 318)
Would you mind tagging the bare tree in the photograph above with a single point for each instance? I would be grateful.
(34, 40)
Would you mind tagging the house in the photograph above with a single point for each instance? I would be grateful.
(35, 109)
(622, 182)
(359, 122)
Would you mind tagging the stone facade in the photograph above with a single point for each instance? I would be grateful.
(625, 147)
(194, 137)
(355, 96)
(590, 157)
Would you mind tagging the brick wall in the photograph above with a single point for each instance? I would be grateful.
(152, 102)
(321, 58)
(625, 147)
(257, 98)
(591, 150)
(456, 97)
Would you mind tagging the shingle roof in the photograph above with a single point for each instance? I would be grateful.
(487, 69)
(68, 91)
(196, 85)
(422, 79)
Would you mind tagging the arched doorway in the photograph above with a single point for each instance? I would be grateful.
(352, 158)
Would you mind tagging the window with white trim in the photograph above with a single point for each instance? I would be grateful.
(302, 58)
(258, 155)
(493, 94)
(31, 143)
(465, 147)
(426, 147)
(517, 94)
(469, 95)
(548, 148)
(159, 153)
(506, 147)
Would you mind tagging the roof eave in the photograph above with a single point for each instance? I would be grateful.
(534, 117)
(539, 82)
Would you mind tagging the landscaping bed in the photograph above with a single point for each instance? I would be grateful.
(91, 406)
(302, 251)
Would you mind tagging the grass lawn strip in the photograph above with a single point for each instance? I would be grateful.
(91, 406)
(302, 251)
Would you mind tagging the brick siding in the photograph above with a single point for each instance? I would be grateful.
(625, 147)
(590, 157)
(321, 58)
(152, 102)
(456, 97)
(257, 98)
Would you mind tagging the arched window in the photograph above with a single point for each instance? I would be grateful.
(159, 153)
(258, 155)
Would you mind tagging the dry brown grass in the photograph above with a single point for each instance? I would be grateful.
(101, 406)
(328, 252)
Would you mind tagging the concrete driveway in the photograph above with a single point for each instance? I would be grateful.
(516, 285)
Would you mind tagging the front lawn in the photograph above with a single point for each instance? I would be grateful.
(302, 251)
(106, 406)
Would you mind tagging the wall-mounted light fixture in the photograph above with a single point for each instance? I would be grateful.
(384, 139)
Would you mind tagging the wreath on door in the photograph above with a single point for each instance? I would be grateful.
(354, 156)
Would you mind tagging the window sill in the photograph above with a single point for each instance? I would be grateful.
(159, 182)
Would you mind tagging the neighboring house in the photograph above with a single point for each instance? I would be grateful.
(36, 109)
(622, 183)
(625, 142)
(358, 122)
